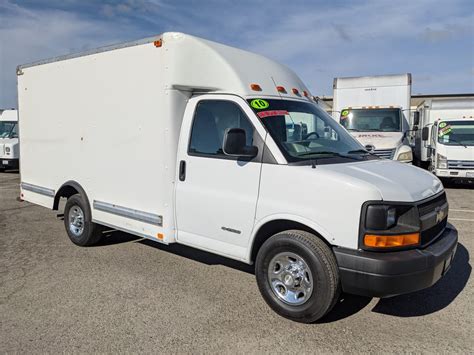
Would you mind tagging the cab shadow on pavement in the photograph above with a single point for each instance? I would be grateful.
(415, 304)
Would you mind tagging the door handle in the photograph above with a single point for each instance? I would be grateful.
(182, 170)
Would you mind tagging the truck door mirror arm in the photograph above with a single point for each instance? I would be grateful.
(234, 144)
(416, 118)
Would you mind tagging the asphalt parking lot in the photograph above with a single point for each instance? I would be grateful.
(129, 295)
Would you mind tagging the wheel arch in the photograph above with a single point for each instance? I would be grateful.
(68, 189)
(276, 224)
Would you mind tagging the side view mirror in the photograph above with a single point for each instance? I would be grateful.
(235, 144)
(425, 133)
(416, 118)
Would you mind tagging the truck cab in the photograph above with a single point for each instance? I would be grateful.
(380, 130)
(450, 144)
(9, 144)
(376, 111)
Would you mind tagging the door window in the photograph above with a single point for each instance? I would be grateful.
(211, 119)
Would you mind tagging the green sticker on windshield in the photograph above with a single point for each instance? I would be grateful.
(442, 125)
(445, 130)
(259, 104)
(345, 113)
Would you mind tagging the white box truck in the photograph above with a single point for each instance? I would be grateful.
(376, 111)
(9, 144)
(445, 141)
(182, 140)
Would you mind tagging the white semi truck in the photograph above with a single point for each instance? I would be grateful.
(9, 145)
(444, 142)
(376, 111)
(231, 156)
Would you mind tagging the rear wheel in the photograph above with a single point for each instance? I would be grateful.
(78, 222)
(297, 275)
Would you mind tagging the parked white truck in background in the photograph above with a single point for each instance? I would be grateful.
(9, 145)
(376, 111)
(234, 157)
(444, 142)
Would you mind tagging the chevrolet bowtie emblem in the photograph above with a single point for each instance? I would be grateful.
(440, 214)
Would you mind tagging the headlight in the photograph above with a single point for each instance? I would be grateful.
(387, 227)
(7, 150)
(441, 161)
(380, 217)
(407, 156)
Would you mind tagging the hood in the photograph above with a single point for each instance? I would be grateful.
(380, 140)
(395, 181)
(456, 152)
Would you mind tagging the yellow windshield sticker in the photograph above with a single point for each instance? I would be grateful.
(345, 113)
(259, 104)
(442, 125)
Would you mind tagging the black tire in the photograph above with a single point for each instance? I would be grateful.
(90, 233)
(321, 262)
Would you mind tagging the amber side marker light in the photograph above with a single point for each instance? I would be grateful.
(255, 87)
(158, 43)
(391, 241)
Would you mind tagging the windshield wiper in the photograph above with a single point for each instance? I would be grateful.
(355, 151)
(458, 142)
(353, 129)
(330, 153)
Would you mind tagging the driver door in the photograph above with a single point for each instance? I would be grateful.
(216, 194)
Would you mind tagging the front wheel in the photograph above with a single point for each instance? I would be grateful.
(297, 275)
(78, 222)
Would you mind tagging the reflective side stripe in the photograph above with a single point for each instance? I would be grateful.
(129, 213)
(38, 189)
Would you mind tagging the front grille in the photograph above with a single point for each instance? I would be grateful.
(461, 164)
(384, 153)
(426, 211)
(430, 234)
(429, 206)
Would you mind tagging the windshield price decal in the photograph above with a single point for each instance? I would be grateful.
(345, 113)
(263, 114)
(444, 130)
(259, 104)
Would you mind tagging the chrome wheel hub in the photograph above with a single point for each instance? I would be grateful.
(76, 220)
(290, 278)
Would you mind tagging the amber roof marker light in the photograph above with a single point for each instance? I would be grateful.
(281, 89)
(255, 87)
(158, 43)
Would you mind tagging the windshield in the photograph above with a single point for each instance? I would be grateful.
(380, 120)
(304, 131)
(456, 133)
(8, 129)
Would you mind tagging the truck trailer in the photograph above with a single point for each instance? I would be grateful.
(444, 142)
(376, 111)
(9, 144)
(182, 140)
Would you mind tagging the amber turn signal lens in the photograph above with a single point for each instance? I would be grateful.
(391, 241)
(255, 87)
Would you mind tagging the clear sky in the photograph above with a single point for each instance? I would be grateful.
(319, 40)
